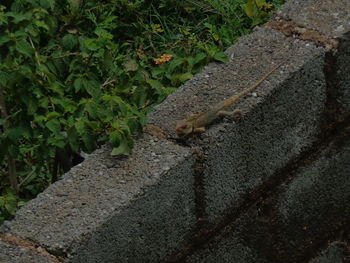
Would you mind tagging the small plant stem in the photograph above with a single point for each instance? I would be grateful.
(27, 177)
(107, 82)
(35, 52)
(66, 55)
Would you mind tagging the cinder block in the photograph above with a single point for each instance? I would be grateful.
(336, 252)
(332, 19)
(277, 125)
(317, 199)
(300, 216)
(136, 209)
(14, 254)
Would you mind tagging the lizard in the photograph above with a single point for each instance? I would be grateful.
(196, 123)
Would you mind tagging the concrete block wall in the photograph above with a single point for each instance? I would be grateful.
(270, 186)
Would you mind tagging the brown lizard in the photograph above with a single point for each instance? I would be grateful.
(196, 123)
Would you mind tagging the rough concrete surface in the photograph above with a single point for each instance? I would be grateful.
(271, 186)
(332, 19)
(328, 17)
(274, 129)
(336, 252)
(342, 77)
(290, 223)
(318, 196)
(15, 254)
(118, 201)
(254, 56)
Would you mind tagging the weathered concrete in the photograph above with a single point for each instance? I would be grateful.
(332, 19)
(115, 210)
(274, 128)
(289, 223)
(17, 254)
(336, 252)
(272, 186)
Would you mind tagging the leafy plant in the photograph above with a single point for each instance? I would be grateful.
(257, 10)
(78, 74)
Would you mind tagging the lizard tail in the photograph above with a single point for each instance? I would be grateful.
(230, 101)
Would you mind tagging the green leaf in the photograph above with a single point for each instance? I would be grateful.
(102, 33)
(69, 41)
(249, 8)
(91, 87)
(52, 115)
(17, 17)
(88, 139)
(73, 139)
(21, 203)
(57, 88)
(157, 71)
(91, 108)
(115, 138)
(78, 84)
(67, 104)
(23, 47)
(139, 96)
(10, 202)
(177, 79)
(4, 78)
(134, 125)
(185, 76)
(39, 119)
(175, 63)
(41, 24)
(124, 148)
(18, 133)
(131, 65)
(263, 5)
(91, 44)
(3, 19)
(79, 125)
(220, 56)
(51, 3)
(74, 5)
(4, 39)
(199, 57)
(155, 84)
(54, 126)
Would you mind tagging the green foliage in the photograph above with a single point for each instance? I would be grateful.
(80, 73)
(8, 204)
(257, 10)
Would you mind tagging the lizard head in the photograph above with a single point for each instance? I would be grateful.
(184, 128)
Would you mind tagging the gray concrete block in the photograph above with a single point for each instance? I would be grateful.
(300, 216)
(334, 253)
(250, 59)
(278, 122)
(226, 250)
(14, 254)
(318, 198)
(328, 17)
(332, 19)
(341, 75)
(109, 210)
(243, 241)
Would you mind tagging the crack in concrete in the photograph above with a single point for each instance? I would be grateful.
(29, 245)
(292, 29)
(333, 129)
